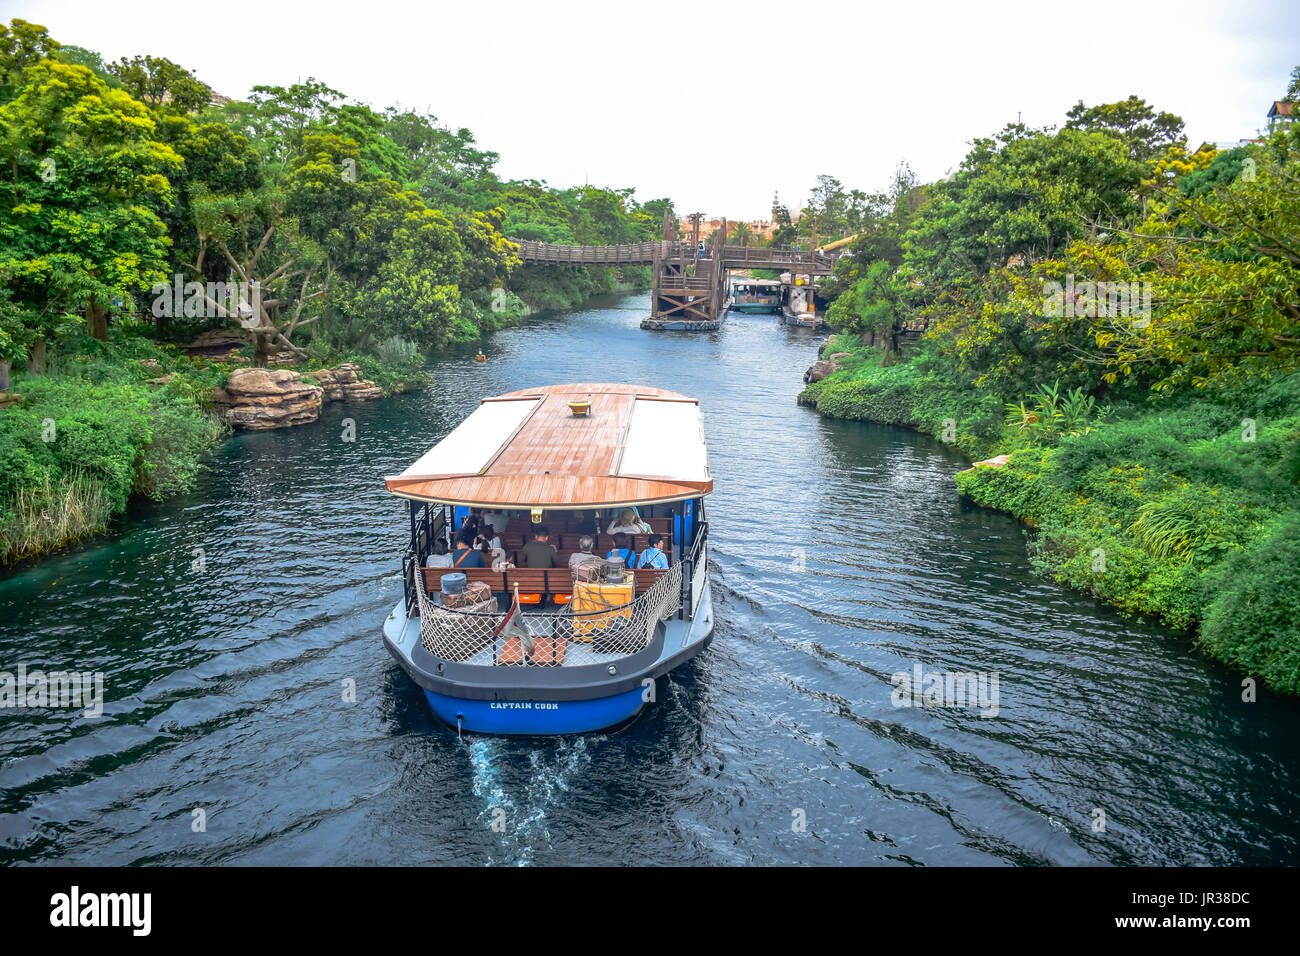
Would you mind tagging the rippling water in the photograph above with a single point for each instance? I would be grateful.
(842, 555)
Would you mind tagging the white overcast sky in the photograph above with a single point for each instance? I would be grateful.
(718, 104)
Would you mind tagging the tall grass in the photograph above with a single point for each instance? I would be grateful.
(45, 516)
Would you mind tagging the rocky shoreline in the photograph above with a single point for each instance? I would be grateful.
(260, 399)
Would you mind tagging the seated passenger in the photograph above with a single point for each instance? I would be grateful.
(481, 545)
(584, 555)
(466, 556)
(653, 556)
(627, 523)
(621, 550)
(494, 553)
(538, 553)
(469, 524)
(439, 556)
(586, 523)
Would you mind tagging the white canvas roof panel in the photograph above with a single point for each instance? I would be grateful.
(472, 445)
(665, 440)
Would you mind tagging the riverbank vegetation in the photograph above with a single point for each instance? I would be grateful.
(142, 209)
(1118, 314)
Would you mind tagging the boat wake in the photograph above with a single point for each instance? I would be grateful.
(542, 786)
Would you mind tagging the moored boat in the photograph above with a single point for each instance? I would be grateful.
(798, 301)
(575, 642)
(755, 296)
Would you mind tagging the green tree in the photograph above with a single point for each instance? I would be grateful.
(1146, 132)
(22, 44)
(161, 83)
(86, 179)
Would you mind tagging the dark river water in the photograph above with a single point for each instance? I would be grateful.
(842, 555)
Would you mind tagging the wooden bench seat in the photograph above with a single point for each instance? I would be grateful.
(545, 583)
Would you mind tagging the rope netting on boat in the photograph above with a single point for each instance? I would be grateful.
(591, 629)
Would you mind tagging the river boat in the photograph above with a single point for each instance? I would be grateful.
(755, 296)
(798, 305)
(545, 651)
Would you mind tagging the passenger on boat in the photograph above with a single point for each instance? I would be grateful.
(499, 520)
(490, 543)
(491, 535)
(627, 523)
(482, 547)
(465, 555)
(622, 551)
(587, 523)
(539, 553)
(439, 557)
(583, 555)
(653, 556)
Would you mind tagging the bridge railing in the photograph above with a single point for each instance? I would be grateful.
(643, 253)
(627, 253)
(683, 283)
(760, 256)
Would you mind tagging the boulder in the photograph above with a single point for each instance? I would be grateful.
(258, 399)
(361, 391)
(995, 462)
(837, 356)
(343, 384)
(820, 369)
(325, 379)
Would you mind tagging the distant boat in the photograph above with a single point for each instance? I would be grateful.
(798, 298)
(756, 296)
(553, 650)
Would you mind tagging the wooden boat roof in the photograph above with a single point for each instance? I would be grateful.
(526, 449)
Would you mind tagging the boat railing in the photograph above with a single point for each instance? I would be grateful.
(694, 570)
(594, 635)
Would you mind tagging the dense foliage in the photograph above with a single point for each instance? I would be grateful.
(141, 208)
(1120, 316)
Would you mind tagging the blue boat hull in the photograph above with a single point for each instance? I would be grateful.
(534, 717)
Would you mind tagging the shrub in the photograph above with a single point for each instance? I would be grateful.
(1253, 616)
(398, 352)
(171, 461)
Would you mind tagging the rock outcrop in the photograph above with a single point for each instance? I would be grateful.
(826, 364)
(819, 370)
(343, 384)
(258, 399)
